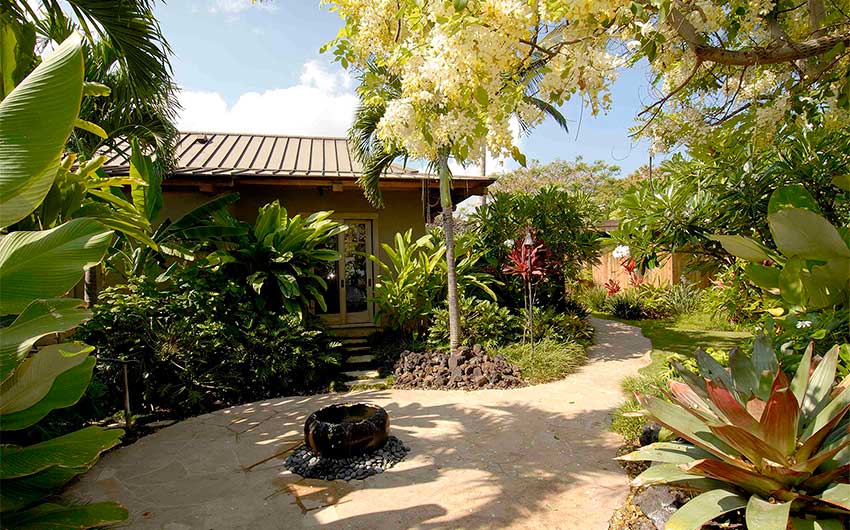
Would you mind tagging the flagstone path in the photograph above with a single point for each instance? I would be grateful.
(527, 458)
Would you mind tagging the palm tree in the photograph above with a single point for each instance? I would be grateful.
(126, 51)
(376, 156)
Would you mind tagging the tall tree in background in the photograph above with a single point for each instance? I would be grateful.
(377, 87)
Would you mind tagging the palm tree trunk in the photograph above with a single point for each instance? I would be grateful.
(90, 286)
(448, 229)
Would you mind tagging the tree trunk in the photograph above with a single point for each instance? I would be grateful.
(90, 286)
(448, 229)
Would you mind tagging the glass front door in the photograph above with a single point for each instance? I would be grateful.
(350, 279)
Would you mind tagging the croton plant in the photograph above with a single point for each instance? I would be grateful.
(754, 439)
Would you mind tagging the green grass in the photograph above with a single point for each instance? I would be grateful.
(552, 360)
(683, 336)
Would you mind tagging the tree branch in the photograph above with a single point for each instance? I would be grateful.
(756, 55)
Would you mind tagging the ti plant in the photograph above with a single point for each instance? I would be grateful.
(779, 449)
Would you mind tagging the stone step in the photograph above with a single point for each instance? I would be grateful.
(377, 381)
(359, 359)
(362, 374)
(352, 349)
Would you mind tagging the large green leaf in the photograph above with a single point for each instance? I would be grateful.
(667, 452)
(17, 494)
(673, 474)
(743, 247)
(39, 319)
(765, 277)
(17, 47)
(48, 263)
(795, 196)
(799, 232)
(820, 524)
(763, 515)
(703, 508)
(58, 517)
(80, 448)
(66, 390)
(32, 380)
(147, 196)
(36, 120)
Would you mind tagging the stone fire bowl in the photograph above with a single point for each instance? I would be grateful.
(347, 429)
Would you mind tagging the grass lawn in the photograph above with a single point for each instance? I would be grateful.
(667, 336)
(671, 336)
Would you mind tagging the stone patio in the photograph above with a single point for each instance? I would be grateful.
(535, 457)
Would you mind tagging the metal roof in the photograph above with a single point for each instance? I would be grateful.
(200, 154)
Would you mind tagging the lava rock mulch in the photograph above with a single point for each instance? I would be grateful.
(303, 461)
(465, 368)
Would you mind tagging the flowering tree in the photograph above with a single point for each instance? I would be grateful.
(464, 68)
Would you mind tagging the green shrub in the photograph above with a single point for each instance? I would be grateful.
(595, 298)
(200, 344)
(552, 324)
(626, 305)
(682, 298)
(414, 280)
(551, 360)
(653, 300)
(564, 221)
(277, 257)
(481, 322)
(572, 306)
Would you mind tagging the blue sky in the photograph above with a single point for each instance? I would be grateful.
(257, 68)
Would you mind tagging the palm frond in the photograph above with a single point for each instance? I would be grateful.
(550, 110)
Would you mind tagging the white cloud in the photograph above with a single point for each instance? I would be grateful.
(232, 7)
(321, 104)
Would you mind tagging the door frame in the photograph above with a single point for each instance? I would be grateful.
(341, 319)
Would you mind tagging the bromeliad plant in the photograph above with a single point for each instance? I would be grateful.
(779, 449)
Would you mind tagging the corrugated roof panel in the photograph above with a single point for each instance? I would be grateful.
(192, 150)
(305, 153)
(290, 157)
(341, 156)
(224, 144)
(241, 148)
(262, 154)
(212, 154)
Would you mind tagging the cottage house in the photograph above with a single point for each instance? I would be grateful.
(307, 174)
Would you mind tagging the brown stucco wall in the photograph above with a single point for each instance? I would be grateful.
(402, 210)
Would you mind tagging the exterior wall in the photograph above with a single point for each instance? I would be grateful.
(402, 210)
(669, 273)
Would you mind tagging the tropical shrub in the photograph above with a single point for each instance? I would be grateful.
(278, 256)
(725, 187)
(36, 119)
(481, 322)
(552, 324)
(549, 361)
(563, 221)
(196, 342)
(754, 440)
(414, 280)
(682, 298)
(626, 305)
(572, 306)
(596, 298)
(732, 298)
(807, 274)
